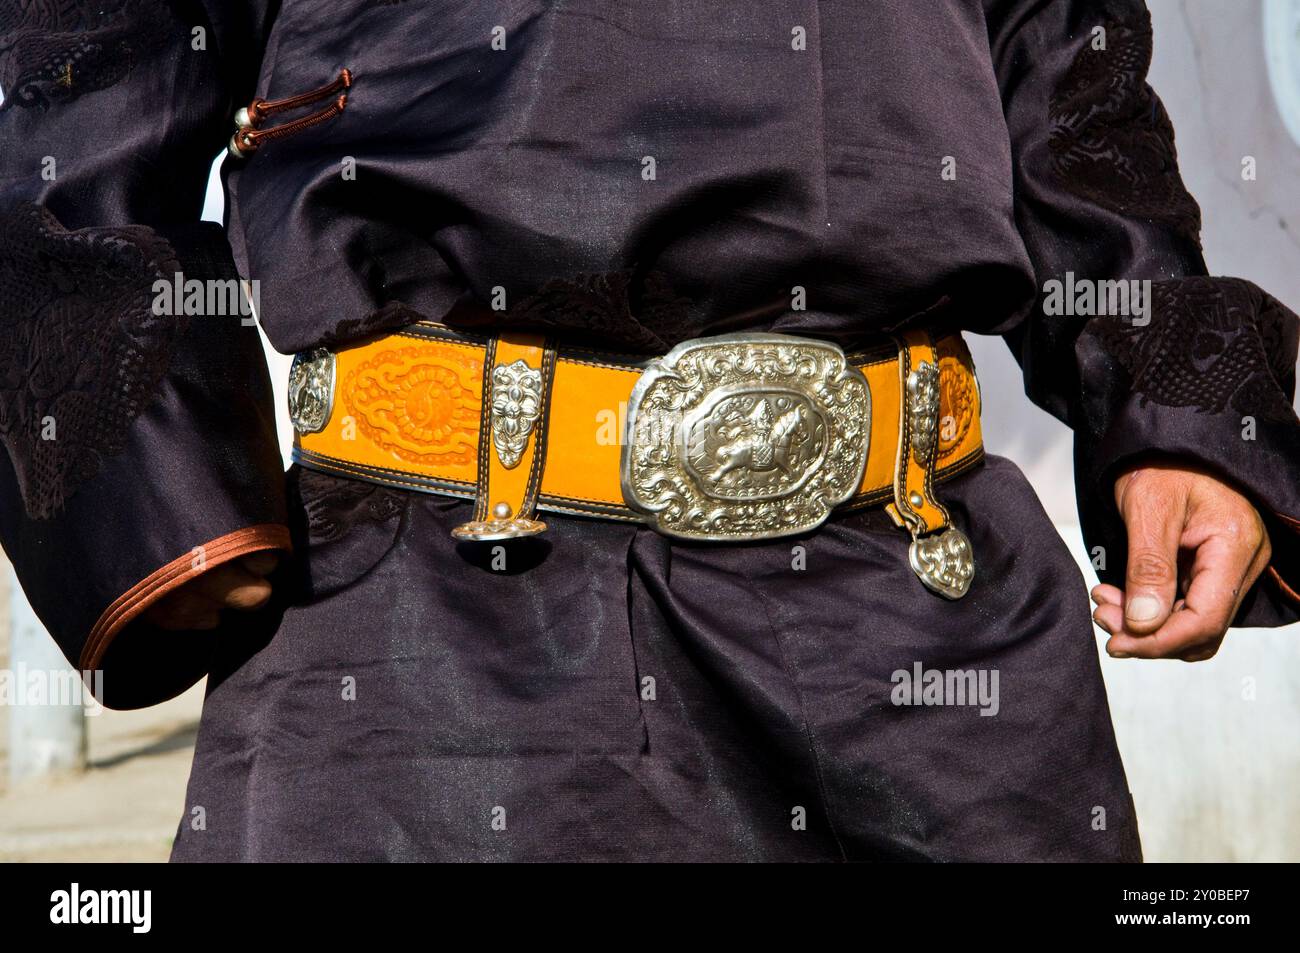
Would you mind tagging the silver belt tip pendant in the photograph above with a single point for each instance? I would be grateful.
(516, 409)
(516, 401)
(943, 561)
(500, 524)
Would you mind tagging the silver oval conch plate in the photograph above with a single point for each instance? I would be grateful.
(311, 390)
(944, 562)
(745, 436)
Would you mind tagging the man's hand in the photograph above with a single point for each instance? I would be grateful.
(239, 584)
(1195, 547)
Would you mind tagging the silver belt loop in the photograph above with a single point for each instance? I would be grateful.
(943, 559)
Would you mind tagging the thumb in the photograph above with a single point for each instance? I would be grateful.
(1153, 513)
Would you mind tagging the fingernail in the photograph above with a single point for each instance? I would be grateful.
(1142, 608)
(1120, 655)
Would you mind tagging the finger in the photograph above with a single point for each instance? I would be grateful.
(261, 564)
(1216, 586)
(233, 587)
(1107, 595)
(1185, 631)
(1110, 618)
(182, 610)
(1155, 523)
(1204, 653)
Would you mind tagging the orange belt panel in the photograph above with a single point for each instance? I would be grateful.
(407, 403)
(511, 484)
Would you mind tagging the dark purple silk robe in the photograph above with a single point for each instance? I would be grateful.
(635, 174)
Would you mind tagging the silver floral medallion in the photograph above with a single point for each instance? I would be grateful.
(745, 436)
(516, 407)
(923, 409)
(944, 562)
(311, 389)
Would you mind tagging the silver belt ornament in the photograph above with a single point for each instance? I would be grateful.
(943, 561)
(745, 436)
(311, 389)
(729, 438)
(516, 408)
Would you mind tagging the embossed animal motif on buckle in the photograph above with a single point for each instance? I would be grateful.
(745, 436)
(311, 390)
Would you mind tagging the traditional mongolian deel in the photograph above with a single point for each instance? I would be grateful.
(637, 446)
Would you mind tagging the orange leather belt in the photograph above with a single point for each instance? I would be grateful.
(726, 438)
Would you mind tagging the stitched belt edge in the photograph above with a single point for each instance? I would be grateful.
(405, 480)
(399, 477)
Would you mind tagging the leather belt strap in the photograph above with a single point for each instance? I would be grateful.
(410, 410)
(943, 561)
(515, 411)
(914, 505)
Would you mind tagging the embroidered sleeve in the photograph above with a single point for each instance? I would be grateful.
(137, 442)
(1214, 345)
(81, 349)
(1198, 368)
(53, 52)
(1111, 140)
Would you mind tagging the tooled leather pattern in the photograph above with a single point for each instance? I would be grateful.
(81, 351)
(957, 398)
(54, 51)
(1211, 344)
(422, 408)
(1111, 142)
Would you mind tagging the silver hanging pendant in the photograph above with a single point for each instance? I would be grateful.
(944, 562)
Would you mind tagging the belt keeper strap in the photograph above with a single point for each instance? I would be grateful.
(940, 554)
(915, 507)
(518, 373)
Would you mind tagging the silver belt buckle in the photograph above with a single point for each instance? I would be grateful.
(745, 436)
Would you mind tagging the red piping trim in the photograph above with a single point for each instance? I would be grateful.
(166, 578)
